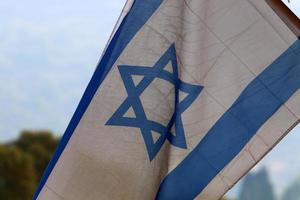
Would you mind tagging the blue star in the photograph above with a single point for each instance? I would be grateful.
(133, 101)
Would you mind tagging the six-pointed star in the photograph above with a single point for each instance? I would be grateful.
(133, 101)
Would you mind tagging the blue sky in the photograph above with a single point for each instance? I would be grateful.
(48, 52)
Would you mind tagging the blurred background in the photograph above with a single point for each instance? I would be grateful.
(48, 52)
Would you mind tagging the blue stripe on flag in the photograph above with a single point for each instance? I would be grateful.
(256, 104)
(139, 14)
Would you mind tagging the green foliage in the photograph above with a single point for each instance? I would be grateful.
(40, 145)
(22, 163)
(17, 174)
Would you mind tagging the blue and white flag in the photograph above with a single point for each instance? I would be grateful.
(188, 96)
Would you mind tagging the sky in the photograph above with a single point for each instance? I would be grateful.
(294, 5)
(48, 52)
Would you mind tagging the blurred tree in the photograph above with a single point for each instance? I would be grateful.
(40, 145)
(257, 186)
(22, 163)
(17, 174)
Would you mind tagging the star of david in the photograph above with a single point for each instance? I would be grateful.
(133, 102)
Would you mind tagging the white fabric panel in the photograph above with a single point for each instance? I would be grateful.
(222, 45)
(271, 30)
(293, 104)
(49, 194)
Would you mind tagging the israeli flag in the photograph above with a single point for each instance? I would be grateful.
(188, 96)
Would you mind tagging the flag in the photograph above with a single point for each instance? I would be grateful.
(188, 96)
